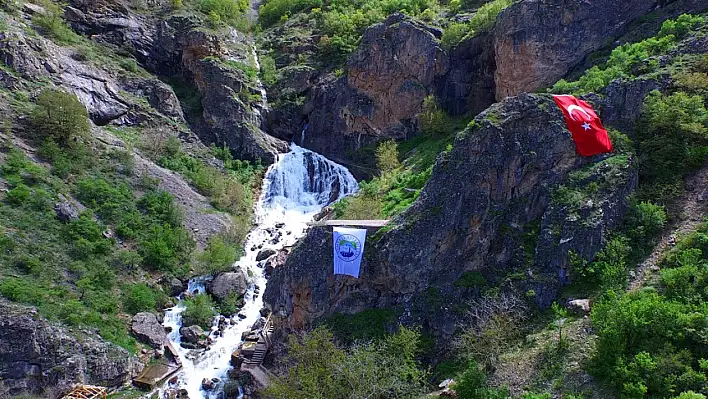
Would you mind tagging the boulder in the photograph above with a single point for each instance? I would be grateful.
(146, 328)
(66, 211)
(173, 286)
(208, 384)
(36, 355)
(580, 307)
(265, 254)
(191, 334)
(227, 284)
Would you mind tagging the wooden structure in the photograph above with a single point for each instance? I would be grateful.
(357, 223)
(158, 372)
(87, 392)
(260, 348)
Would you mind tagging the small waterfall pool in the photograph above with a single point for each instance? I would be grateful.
(294, 189)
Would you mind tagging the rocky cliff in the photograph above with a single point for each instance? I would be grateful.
(533, 44)
(221, 95)
(38, 356)
(488, 209)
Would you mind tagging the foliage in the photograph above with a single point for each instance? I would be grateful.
(632, 59)
(673, 138)
(223, 10)
(387, 156)
(651, 342)
(138, 298)
(482, 20)
(199, 311)
(218, 256)
(318, 368)
(473, 385)
(363, 326)
(52, 24)
(61, 116)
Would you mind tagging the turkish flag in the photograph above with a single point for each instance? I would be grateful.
(585, 126)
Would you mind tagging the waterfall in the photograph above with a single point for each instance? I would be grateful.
(294, 189)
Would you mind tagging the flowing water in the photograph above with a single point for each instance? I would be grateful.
(295, 188)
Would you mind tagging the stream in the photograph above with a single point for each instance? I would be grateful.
(294, 189)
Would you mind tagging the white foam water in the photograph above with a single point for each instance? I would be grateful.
(294, 189)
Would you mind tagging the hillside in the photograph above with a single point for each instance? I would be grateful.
(160, 162)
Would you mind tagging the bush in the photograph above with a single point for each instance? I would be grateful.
(472, 384)
(271, 11)
(18, 195)
(387, 156)
(52, 24)
(218, 256)
(164, 247)
(138, 298)
(61, 116)
(318, 368)
(200, 311)
(225, 10)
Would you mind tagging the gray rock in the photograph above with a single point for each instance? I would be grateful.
(36, 355)
(265, 254)
(226, 284)
(66, 211)
(191, 334)
(173, 286)
(148, 329)
(580, 307)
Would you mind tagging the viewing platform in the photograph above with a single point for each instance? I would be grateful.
(353, 223)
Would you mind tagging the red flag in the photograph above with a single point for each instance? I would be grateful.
(585, 126)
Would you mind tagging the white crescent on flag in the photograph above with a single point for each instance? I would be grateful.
(574, 107)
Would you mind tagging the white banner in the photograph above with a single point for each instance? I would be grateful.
(348, 250)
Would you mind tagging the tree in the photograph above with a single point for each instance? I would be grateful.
(387, 156)
(200, 311)
(61, 116)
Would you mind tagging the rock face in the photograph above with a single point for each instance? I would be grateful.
(537, 42)
(494, 188)
(389, 75)
(177, 47)
(229, 283)
(148, 329)
(36, 355)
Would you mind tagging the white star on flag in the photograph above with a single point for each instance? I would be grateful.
(586, 126)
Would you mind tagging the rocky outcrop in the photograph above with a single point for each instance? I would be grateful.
(493, 189)
(191, 334)
(36, 355)
(179, 47)
(394, 68)
(147, 329)
(537, 42)
(227, 284)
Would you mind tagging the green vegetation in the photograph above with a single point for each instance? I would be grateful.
(482, 21)
(384, 368)
(650, 341)
(473, 385)
(200, 311)
(60, 116)
(632, 59)
(52, 24)
(399, 183)
(363, 326)
(342, 22)
(218, 256)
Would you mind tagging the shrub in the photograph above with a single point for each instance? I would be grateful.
(52, 24)
(271, 11)
(225, 10)
(164, 247)
(199, 311)
(319, 369)
(18, 195)
(387, 156)
(473, 385)
(60, 116)
(138, 298)
(218, 256)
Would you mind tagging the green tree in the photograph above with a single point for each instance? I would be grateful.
(387, 156)
(138, 298)
(218, 256)
(200, 311)
(61, 116)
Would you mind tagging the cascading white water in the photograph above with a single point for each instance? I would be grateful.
(295, 188)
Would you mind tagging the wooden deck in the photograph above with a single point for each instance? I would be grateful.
(357, 223)
(87, 392)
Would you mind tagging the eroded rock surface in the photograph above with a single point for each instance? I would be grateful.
(36, 355)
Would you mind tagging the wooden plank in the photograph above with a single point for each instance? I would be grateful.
(360, 223)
